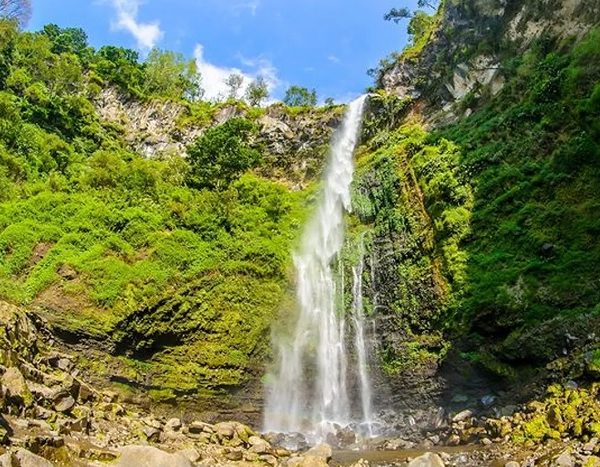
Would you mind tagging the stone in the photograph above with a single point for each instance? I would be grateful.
(269, 459)
(152, 434)
(15, 388)
(191, 454)
(197, 427)
(173, 424)
(86, 393)
(565, 460)
(323, 451)
(428, 459)
(64, 364)
(307, 461)
(486, 442)
(225, 430)
(259, 445)
(152, 422)
(234, 455)
(149, 456)
(64, 403)
(25, 458)
(590, 445)
(462, 416)
(453, 440)
(512, 464)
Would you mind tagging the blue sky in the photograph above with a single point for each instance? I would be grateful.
(323, 44)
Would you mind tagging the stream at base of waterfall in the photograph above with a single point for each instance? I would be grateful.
(320, 382)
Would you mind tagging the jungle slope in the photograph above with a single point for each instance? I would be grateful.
(480, 194)
(164, 272)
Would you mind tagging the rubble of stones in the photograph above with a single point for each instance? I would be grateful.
(50, 416)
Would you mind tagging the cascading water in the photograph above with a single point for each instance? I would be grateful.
(308, 393)
(358, 316)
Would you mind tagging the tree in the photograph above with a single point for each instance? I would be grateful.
(222, 154)
(120, 66)
(17, 10)
(69, 40)
(257, 91)
(397, 14)
(329, 102)
(297, 96)
(234, 82)
(168, 74)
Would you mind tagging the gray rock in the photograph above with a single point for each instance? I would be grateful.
(152, 434)
(197, 427)
(191, 454)
(24, 458)
(428, 459)
(15, 387)
(259, 445)
(323, 451)
(565, 460)
(590, 445)
(462, 416)
(149, 456)
(307, 461)
(64, 403)
(174, 424)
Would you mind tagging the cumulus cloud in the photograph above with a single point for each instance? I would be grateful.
(214, 76)
(146, 35)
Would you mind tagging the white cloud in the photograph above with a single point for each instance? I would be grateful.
(214, 76)
(334, 59)
(146, 35)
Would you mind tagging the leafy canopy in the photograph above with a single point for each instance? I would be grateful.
(222, 154)
(297, 96)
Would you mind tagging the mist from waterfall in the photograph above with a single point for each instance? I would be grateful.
(308, 391)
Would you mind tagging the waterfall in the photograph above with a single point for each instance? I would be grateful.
(358, 316)
(308, 391)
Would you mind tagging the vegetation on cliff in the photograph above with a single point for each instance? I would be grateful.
(498, 206)
(179, 262)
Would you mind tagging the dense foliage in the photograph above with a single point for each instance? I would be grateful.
(494, 218)
(95, 235)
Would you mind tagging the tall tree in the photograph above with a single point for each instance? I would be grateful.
(297, 96)
(17, 10)
(222, 154)
(234, 82)
(257, 91)
(169, 75)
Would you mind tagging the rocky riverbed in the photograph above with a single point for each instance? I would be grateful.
(50, 416)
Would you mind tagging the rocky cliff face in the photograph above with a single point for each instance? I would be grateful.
(488, 86)
(464, 58)
(294, 142)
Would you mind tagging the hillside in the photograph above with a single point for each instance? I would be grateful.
(147, 237)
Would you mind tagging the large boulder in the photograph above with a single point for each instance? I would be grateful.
(428, 459)
(15, 388)
(23, 458)
(307, 461)
(148, 456)
(323, 451)
(18, 337)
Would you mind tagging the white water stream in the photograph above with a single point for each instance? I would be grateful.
(309, 390)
